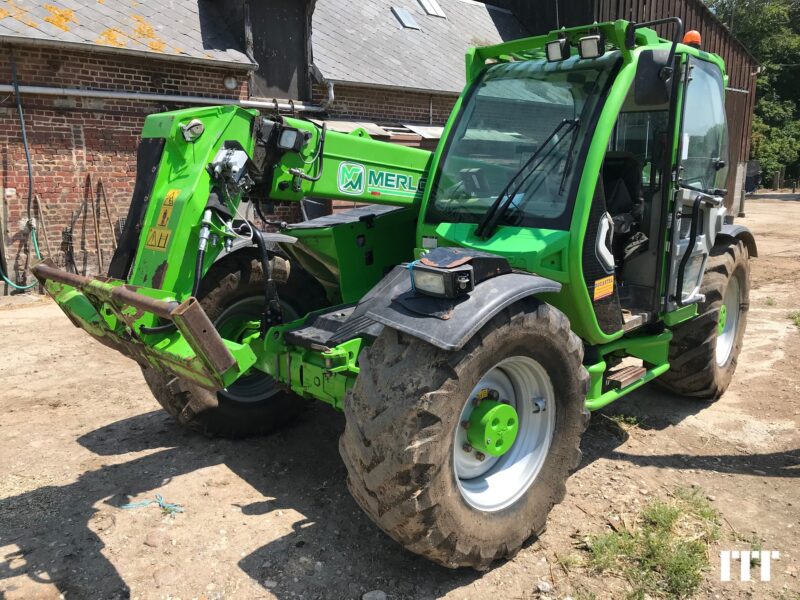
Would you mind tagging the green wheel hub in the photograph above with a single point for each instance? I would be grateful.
(723, 319)
(493, 427)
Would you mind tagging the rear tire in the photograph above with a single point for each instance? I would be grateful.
(703, 355)
(233, 292)
(404, 429)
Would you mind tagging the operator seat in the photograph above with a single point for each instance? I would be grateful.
(622, 180)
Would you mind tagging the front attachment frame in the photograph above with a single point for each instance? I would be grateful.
(114, 312)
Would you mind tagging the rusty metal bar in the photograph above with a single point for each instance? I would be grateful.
(188, 316)
(46, 270)
(199, 331)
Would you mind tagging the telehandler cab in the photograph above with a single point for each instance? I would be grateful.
(566, 244)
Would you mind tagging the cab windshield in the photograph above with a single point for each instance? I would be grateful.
(516, 112)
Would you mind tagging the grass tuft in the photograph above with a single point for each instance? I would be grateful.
(630, 420)
(665, 553)
(795, 317)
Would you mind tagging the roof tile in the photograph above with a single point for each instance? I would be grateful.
(378, 50)
(190, 28)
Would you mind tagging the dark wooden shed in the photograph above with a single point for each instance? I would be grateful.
(540, 17)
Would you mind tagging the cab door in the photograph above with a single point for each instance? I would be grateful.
(698, 203)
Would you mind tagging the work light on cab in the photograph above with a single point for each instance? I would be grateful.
(591, 46)
(557, 50)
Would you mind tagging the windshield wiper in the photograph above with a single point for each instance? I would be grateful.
(708, 192)
(505, 198)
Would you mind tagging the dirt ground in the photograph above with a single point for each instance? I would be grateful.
(272, 518)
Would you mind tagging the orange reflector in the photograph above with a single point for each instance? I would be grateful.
(692, 38)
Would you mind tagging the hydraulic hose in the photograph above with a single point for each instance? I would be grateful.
(38, 255)
(24, 133)
(273, 314)
(25, 146)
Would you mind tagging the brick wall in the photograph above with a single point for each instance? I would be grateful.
(386, 106)
(71, 138)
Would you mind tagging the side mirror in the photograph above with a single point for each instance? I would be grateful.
(652, 84)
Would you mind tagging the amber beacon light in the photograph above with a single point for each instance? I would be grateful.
(692, 38)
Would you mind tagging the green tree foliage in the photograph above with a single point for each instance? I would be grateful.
(771, 31)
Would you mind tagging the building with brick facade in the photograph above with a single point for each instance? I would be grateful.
(86, 83)
(88, 76)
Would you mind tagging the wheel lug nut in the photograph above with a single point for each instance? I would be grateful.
(480, 456)
(465, 424)
(494, 394)
(466, 447)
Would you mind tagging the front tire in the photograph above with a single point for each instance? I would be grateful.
(405, 431)
(704, 352)
(232, 294)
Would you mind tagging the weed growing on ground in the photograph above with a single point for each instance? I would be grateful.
(664, 554)
(771, 301)
(631, 420)
(795, 317)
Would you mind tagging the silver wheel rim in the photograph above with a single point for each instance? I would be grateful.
(253, 386)
(727, 337)
(498, 482)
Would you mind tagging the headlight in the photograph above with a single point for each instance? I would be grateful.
(292, 139)
(442, 283)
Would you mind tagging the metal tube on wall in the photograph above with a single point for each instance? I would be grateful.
(149, 97)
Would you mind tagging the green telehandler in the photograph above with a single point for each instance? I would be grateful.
(566, 244)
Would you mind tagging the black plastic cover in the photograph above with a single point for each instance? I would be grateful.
(148, 157)
(649, 88)
(740, 232)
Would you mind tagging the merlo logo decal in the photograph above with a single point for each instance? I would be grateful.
(352, 178)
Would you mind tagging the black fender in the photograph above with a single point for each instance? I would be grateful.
(442, 322)
(739, 232)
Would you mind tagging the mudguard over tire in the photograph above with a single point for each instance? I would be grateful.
(403, 418)
(252, 406)
(702, 355)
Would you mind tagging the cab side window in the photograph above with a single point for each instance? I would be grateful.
(642, 134)
(704, 141)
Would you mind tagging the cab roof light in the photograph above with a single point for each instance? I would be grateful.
(557, 50)
(592, 46)
(693, 39)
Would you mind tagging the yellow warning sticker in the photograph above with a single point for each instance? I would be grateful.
(603, 287)
(157, 238)
(166, 208)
